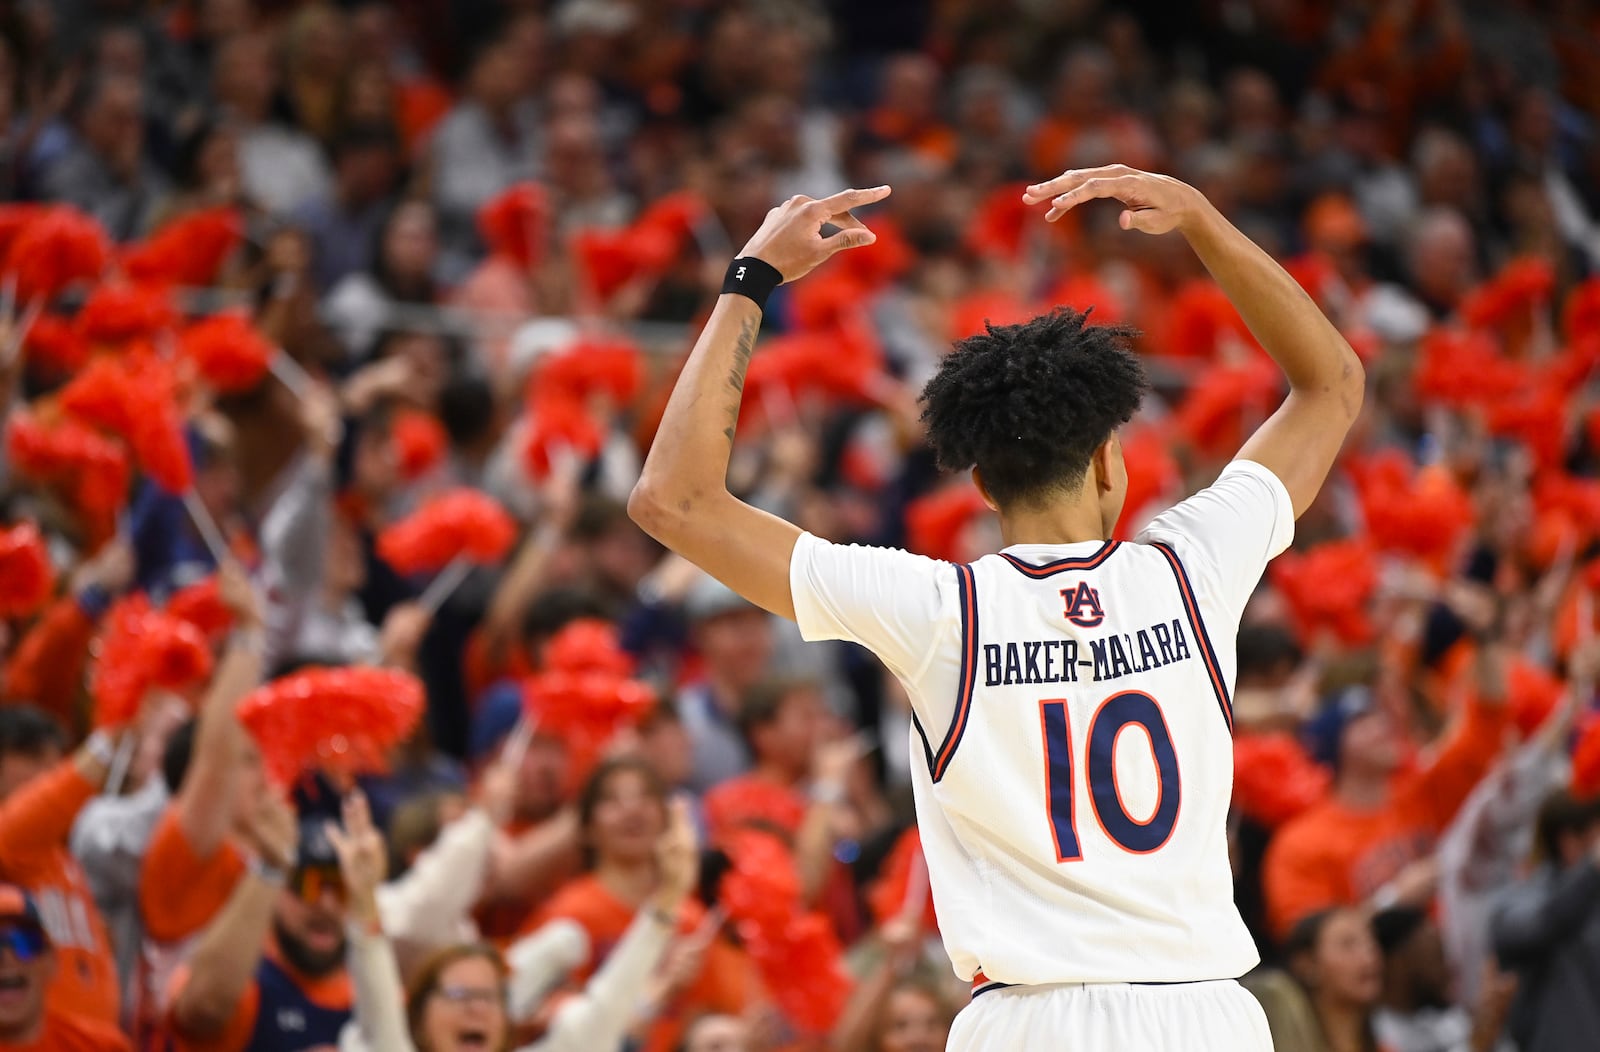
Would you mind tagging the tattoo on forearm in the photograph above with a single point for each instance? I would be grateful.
(743, 348)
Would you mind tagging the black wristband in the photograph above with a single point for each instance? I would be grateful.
(751, 278)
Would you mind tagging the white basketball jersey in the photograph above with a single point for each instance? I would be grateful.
(1074, 814)
(1073, 754)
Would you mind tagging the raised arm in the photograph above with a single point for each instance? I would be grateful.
(380, 1003)
(1299, 442)
(223, 966)
(682, 498)
(205, 800)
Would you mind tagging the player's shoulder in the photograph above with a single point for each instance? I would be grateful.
(811, 546)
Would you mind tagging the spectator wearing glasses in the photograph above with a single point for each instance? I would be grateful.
(268, 974)
(28, 967)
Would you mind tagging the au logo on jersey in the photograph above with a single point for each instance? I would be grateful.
(1083, 605)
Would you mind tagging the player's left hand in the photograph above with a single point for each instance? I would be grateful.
(791, 240)
(1155, 204)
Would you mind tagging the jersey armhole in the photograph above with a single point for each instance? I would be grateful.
(1191, 609)
(967, 598)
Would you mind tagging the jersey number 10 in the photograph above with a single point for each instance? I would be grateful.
(1116, 714)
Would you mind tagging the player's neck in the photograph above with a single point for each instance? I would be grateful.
(1063, 522)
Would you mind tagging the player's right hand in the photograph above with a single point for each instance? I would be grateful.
(1155, 204)
(791, 237)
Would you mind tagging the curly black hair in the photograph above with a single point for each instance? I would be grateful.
(1030, 403)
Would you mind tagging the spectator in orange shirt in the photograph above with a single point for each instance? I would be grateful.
(268, 974)
(907, 114)
(536, 847)
(1373, 837)
(799, 780)
(622, 811)
(40, 797)
(213, 769)
(28, 969)
(1085, 126)
(47, 667)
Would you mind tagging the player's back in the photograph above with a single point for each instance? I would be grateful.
(1074, 813)
(1071, 711)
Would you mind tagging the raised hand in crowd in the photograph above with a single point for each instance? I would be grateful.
(363, 858)
(401, 634)
(110, 571)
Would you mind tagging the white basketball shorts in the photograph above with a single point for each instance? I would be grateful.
(1218, 1016)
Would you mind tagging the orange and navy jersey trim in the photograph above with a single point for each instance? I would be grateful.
(1063, 565)
(1191, 607)
(982, 984)
(967, 587)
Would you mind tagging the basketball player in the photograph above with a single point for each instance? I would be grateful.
(1073, 761)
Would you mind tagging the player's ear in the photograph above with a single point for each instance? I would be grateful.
(983, 491)
(1102, 462)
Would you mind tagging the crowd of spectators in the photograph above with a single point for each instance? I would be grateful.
(477, 236)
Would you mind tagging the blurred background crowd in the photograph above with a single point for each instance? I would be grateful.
(463, 245)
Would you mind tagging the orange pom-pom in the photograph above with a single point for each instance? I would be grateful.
(53, 248)
(1580, 318)
(826, 300)
(1001, 223)
(157, 423)
(1586, 760)
(91, 469)
(13, 217)
(973, 313)
(53, 344)
(796, 953)
(99, 396)
(1085, 292)
(665, 226)
(1328, 588)
(228, 351)
(935, 521)
(1203, 323)
(1228, 402)
(1460, 369)
(1273, 778)
(188, 251)
(610, 366)
(117, 313)
(201, 605)
(1422, 513)
(26, 576)
(844, 365)
(1154, 477)
(560, 424)
(341, 720)
(1522, 285)
(1534, 694)
(1536, 417)
(515, 224)
(874, 266)
(610, 259)
(143, 649)
(419, 443)
(585, 694)
(461, 523)
(753, 801)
